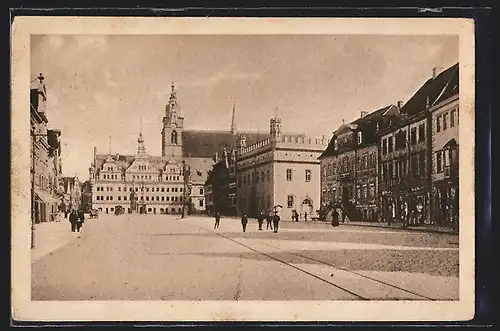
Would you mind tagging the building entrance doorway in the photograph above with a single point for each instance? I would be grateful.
(306, 206)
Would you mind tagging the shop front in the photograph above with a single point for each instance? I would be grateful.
(445, 197)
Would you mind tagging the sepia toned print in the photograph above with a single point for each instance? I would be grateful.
(244, 176)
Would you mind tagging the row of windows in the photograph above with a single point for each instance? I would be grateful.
(398, 141)
(442, 120)
(365, 192)
(145, 177)
(398, 168)
(307, 175)
(250, 179)
(158, 189)
(119, 198)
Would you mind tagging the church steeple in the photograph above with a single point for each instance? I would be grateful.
(141, 149)
(233, 120)
(173, 126)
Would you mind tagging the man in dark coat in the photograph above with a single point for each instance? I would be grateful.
(276, 221)
(217, 219)
(260, 219)
(244, 222)
(81, 219)
(269, 220)
(73, 219)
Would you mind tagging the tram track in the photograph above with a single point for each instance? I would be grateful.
(320, 262)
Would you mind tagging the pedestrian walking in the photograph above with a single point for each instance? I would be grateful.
(81, 220)
(217, 220)
(269, 220)
(260, 219)
(244, 222)
(276, 221)
(305, 217)
(334, 215)
(73, 219)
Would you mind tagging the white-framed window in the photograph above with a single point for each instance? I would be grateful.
(308, 175)
(201, 202)
(360, 137)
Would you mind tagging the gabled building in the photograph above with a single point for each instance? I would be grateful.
(406, 154)
(349, 166)
(445, 150)
(45, 156)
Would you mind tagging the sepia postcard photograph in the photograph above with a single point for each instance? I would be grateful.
(239, 169)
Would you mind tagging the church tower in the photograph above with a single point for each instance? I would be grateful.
(173, 126)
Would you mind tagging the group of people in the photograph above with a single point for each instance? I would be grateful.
(272, 220)
(76, 219)
(295, 216)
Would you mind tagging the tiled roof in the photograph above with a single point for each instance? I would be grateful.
(430, 91)
(452, 87)
(366, 124)
(207, 143)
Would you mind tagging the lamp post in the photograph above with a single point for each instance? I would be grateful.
(185, 178)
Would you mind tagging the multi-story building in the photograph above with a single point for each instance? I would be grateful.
(349, 166)
(445, 148)
(87, 196)
(220, 187)
(406, 153)
(72, 193)
(45, 156)
(282, 170)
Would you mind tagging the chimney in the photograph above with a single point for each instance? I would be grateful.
(363, 113)
(434, 72)
(400, 104)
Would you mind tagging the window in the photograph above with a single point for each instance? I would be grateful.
(421, 133)
(137, 189)
(452, 118)
(119, 198)
(147, 189)
(445, 121)
(163, 189)
(157, 189)
(125, 198)
(168, 198)
(391, 169)
(439, 161)
(289, 175)
(414, 165)
(168, 189)
(180, 189)
(358, 192)
(390, 145)
(173, 137)
(119, 189)
(365, 161)
(98, 197)
(162, 198)
(107, 197)
(421, 161)
(201, 193)
(176, 189)
(308, 175)
(384, 146)
(111, 198)
(147, 198)
(438, 123)
(157, 198)
(365, 191)
(289, 201)
(413, 136)
(372, 191)
(201, 202)
(360, 138)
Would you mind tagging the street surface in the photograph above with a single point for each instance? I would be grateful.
(163, 257)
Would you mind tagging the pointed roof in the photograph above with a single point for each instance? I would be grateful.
(233, 120)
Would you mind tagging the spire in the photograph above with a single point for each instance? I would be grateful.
(109, 145)
(275, 111)
(141, 149)
(233, 120)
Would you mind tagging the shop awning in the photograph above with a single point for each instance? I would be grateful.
(45, 197)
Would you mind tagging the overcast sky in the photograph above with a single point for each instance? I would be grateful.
(100, 86)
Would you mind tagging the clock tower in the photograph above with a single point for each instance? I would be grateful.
(173, 126)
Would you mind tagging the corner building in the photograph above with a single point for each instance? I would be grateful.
(280, 170)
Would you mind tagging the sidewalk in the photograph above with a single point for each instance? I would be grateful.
(423, 228)
(50, 236)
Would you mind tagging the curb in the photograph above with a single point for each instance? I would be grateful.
(403, 229)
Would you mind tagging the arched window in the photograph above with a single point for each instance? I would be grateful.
(173, 137)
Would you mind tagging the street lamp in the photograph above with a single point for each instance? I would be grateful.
(33, 135)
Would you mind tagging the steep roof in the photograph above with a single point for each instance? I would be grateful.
(366, 124)
(205, 144)
(429, 92)
(452, 87)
